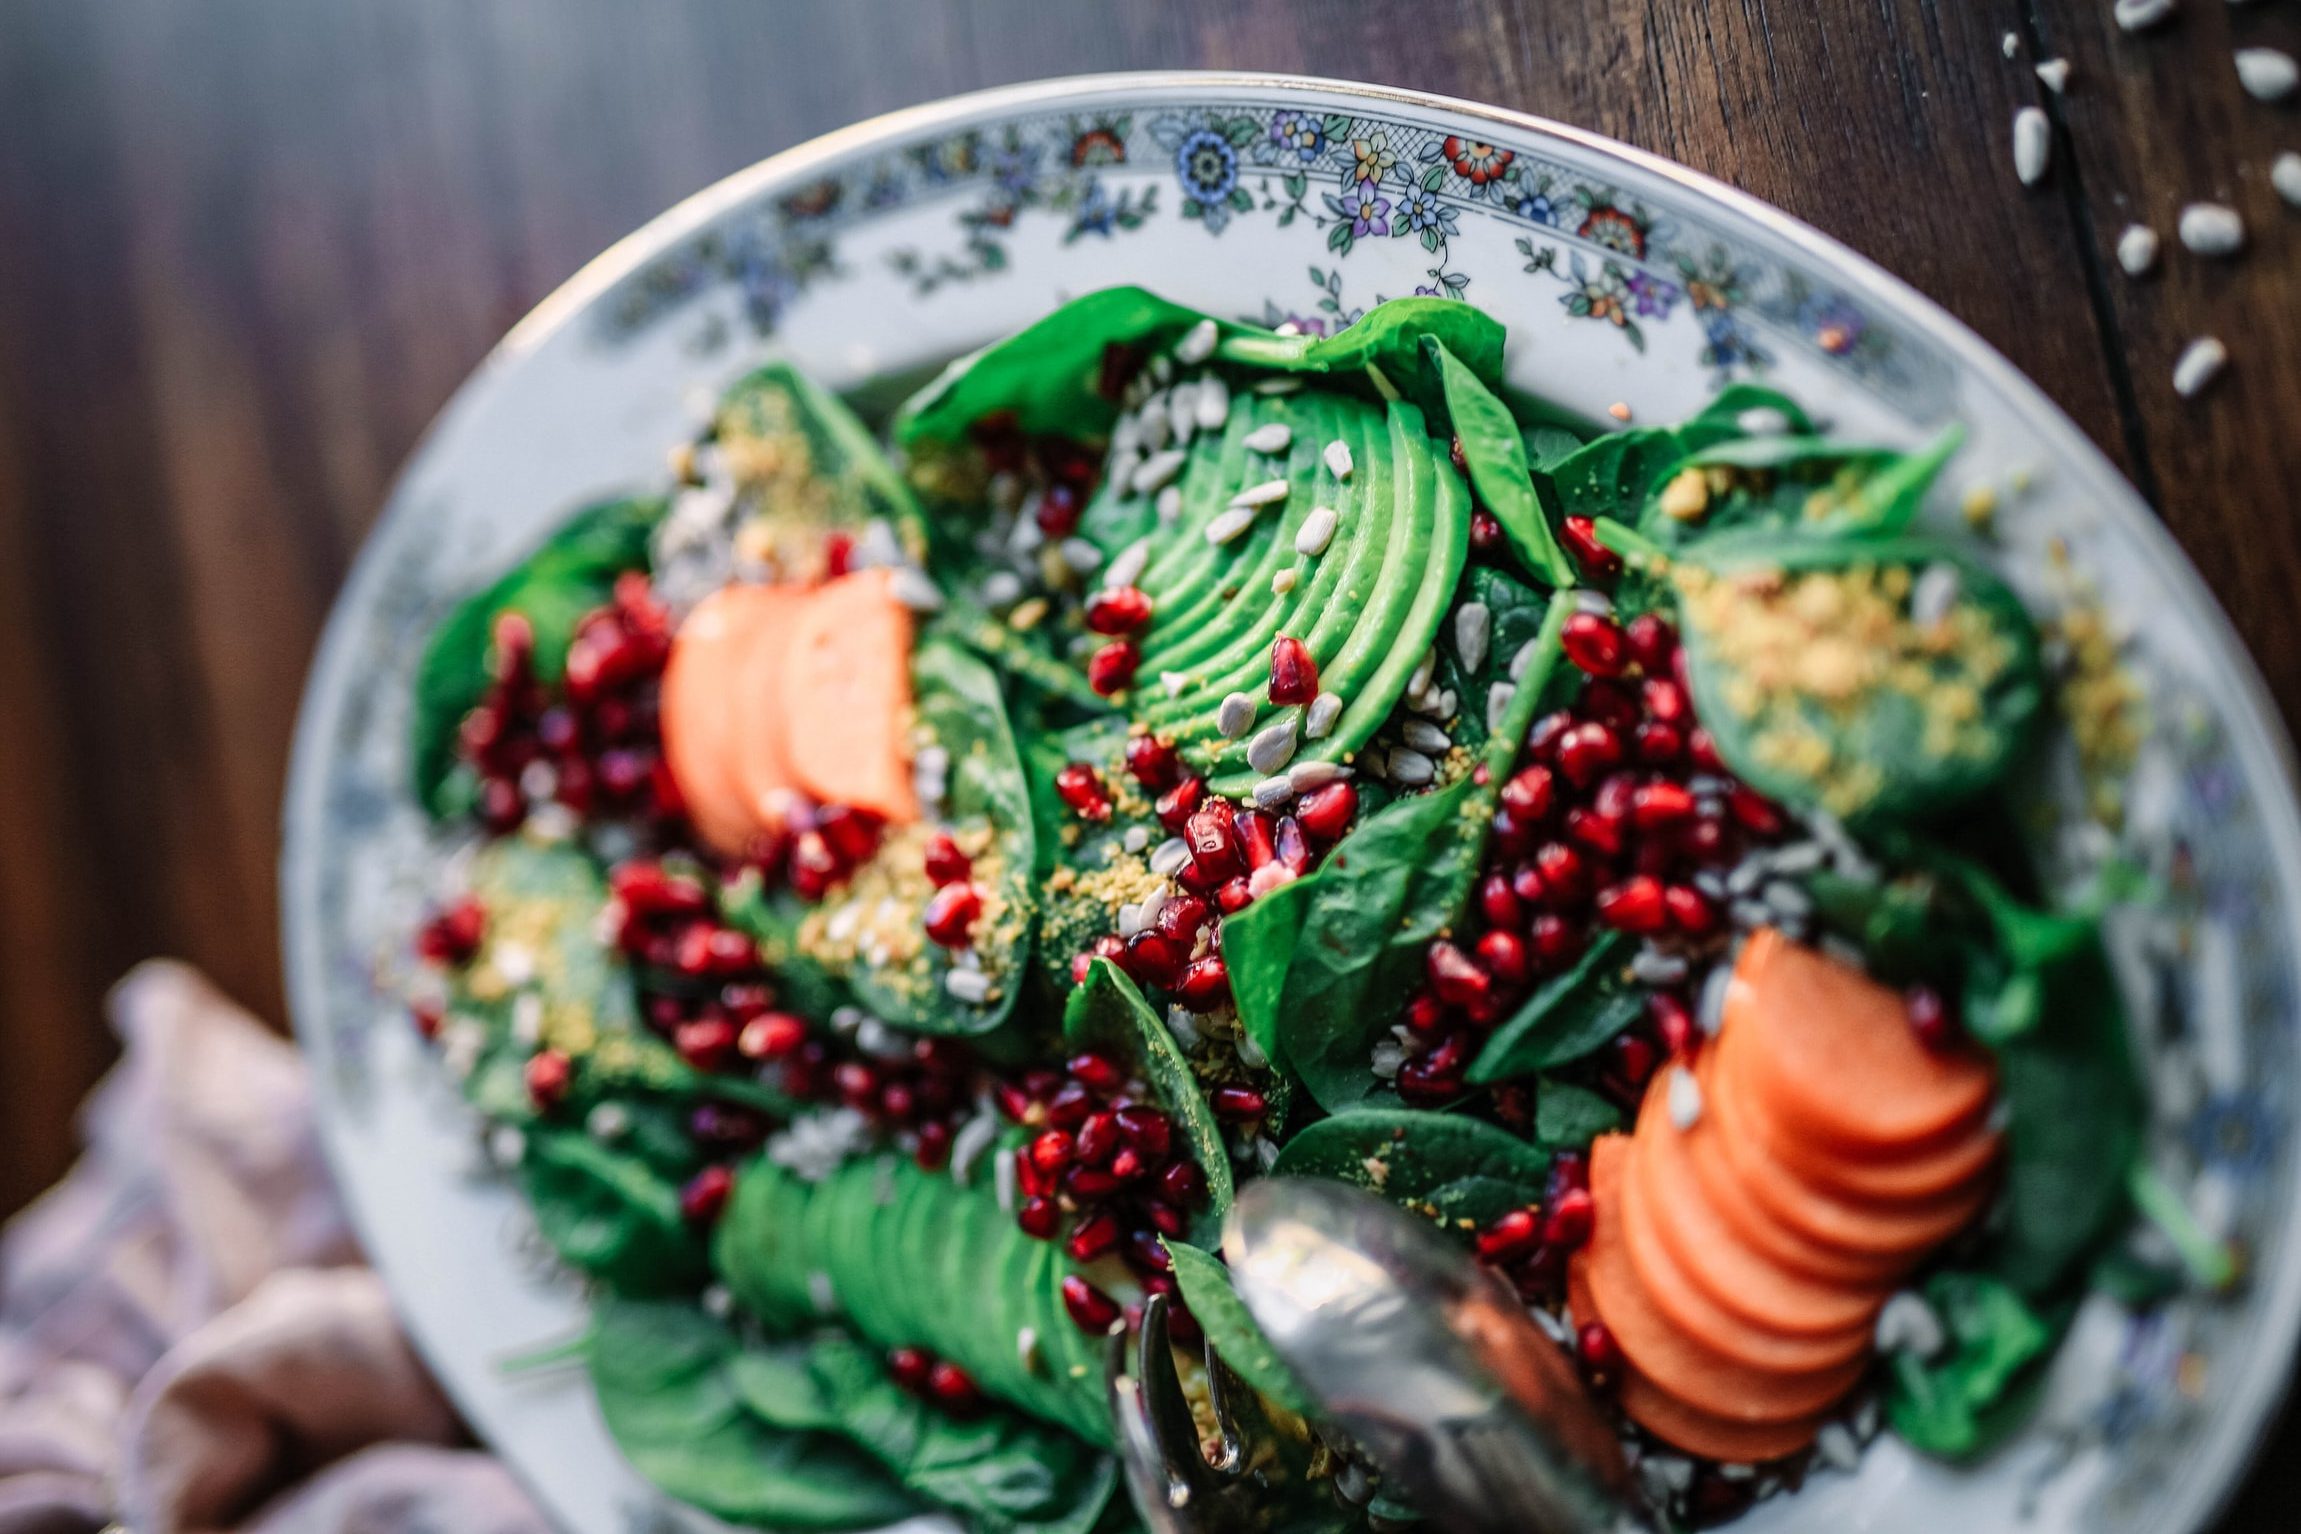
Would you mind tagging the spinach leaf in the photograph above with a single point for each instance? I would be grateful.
(1515, 614)
(1496, 458)
(1389, 337)
(1740, 406)
(1046, 375)
(663, 1374)
(1568, 1117)
(1614, 474)
(1804, 485)
(1258, 946)
(1000, 1470)
(1413, 1158)
(1957, 1405)
(1231, 1327)
(569, 575)
(1548, 446)
(1107, 1014)
(1819, 688)
(609, 1214)
(1568, 1017)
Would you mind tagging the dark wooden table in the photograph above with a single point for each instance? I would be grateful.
(247, 247)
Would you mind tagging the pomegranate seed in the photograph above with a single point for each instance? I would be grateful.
(1595, 643)
(951, 913)
(1153, 958)
(1422, 1083)
(1292, 847)
(514, 647)
(1086, 1182)
(1542, 740)
(453, 936)
(1038, 1216)
(1652, 642)
(1081, 788)
(548, 1074)
(946, 864)
(1325, 813)
(707, 1044)
(1153, 761)
(1090, 1309)
(501, 807)
(858, 1084)
(1498, 904)
(1703, 840)
(1756, 813)
(898, 1102)
(1237, 1103)
(428, 1020)
(1118, 610)
(1563, 873)
(1511, 836)
(1632, 1058)
(1673, 1021)
(1597, 1346)
(812, 866)
(1660, 803)
(1111, 669)
(1572, 1215)
(1068, 1108)
(1293, 674)
(953, 1388)
(1510, 1237)
(1147, 1129)
(1146, 1253)
(1634, 905)
(1175, 806)
(1093, 1237)
(1013, 1101)
(933, 1152)
(1503, 953)
(1096, 1072)
(1530, 794)
(1580, 535)
(1454, 975)
(1128, 1164)
(852, 833)
(1182, 1185)
(1052, 1150)
(1666, 701)
(1212, 836)
(1610, 702)
(1588, 751)
(1657, 743)
(1557, 942)
(1205, 984)
(1256, 838)
(1098, 1137)
(1425, 1013)
(1233, 895)
(706, 1195)
(1690, 910)
(1930, 1018)
(1485, 531)
(1704, 750)
(1599, 832)
(1058, 511)
(909, 1368)
(1029, 1180)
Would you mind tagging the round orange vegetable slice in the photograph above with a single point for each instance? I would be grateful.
(1707, 1434)
(761, 766)
(1680, 1363)
(1714, 1259)
(1834, 1057)
(847, 696)
(703, 709)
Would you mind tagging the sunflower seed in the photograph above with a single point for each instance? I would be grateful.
(1273, 746)
(1420, 680)
(1588, 601)
(1081, 555)
(1168, 857)
(2285, 175)
(1337, 456)
(1473, 625)
(1136, 838)
(1685, 1098)
(1213, 405)
(1228, 524)
(2010, 45)
(2137, 249)
(1158, 471)
(2135, 15)
(1410, 769)
(2210, 229)
(1934, 594)
(1710, 1009)
(1750, 913)
(1424, 736)
(1197, 343)
(1788, 900)
(1001, 588)
(1282, 581)
(1306, 776)
(1161, 370)
(1651, 966)
(1834, 1445)
(1182, 411)
(1523, 659)
(1235, 716)
(1152, 904)
(1128, 567)
(607, 1122)
(2200, 364)
(2268, 74)
(967, 1146)
(1388, 1056)
(1183, 1026)
(2032, 145)
(1499, 697)
(1909, 1324)
(1169, 505)
(1270, 438)
(1273, 793)
(1269, 493)
(1762, 421)
(1279, 383)
(1318, 719)
(1126, 436)
(971, 986)
(2055, 74)
(1316, 532)
(1154, 427)
(1373, 760)
(1437, 703)
(1176, 683)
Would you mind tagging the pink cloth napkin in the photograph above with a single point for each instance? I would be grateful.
(188, 1344)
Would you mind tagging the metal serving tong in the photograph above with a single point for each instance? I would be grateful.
(1423, 1361)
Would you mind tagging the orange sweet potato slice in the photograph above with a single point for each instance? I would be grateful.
(703, 709)
(1728, 1195)
(1833, 1056)
(761, 766)
(1927, 1174)
(1883, 1231)
(1687, 1367)
(847, 696)
(1706, 1433)
(1724, 1269)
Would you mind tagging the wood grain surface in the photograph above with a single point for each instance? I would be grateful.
(248, 247)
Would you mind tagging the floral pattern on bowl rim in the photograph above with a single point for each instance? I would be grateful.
(1630, 286)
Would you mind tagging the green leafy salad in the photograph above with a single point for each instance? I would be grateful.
(897, 884)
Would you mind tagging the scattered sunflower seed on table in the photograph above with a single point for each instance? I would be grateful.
(2200, 364)
(2285, 176)
(2134, 15)
(2137, 249)
(2211, 229)
(2032, 145)
(2268, 74)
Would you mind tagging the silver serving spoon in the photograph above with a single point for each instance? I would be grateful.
(1427, 1361)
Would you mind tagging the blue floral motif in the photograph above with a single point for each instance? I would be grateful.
(2232, 1132)
(1207, 165)
(1535, 208)
(1419, 209)
(1298, 133)
(1096, 214)
(1651, 296)
(1015, 167)
(1205, 149)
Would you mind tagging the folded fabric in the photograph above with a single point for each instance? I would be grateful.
(187, 1342)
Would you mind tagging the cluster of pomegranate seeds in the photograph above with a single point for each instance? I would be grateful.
(1107, 1158)
(1119, 611)
(918, 1097)
(595, 748)
(820, 847)
(1614, 806)
(1063, 471)
(1530, 1246)
(452, 936)
(937, 1381)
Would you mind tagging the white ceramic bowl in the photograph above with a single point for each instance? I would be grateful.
(1626, 282)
